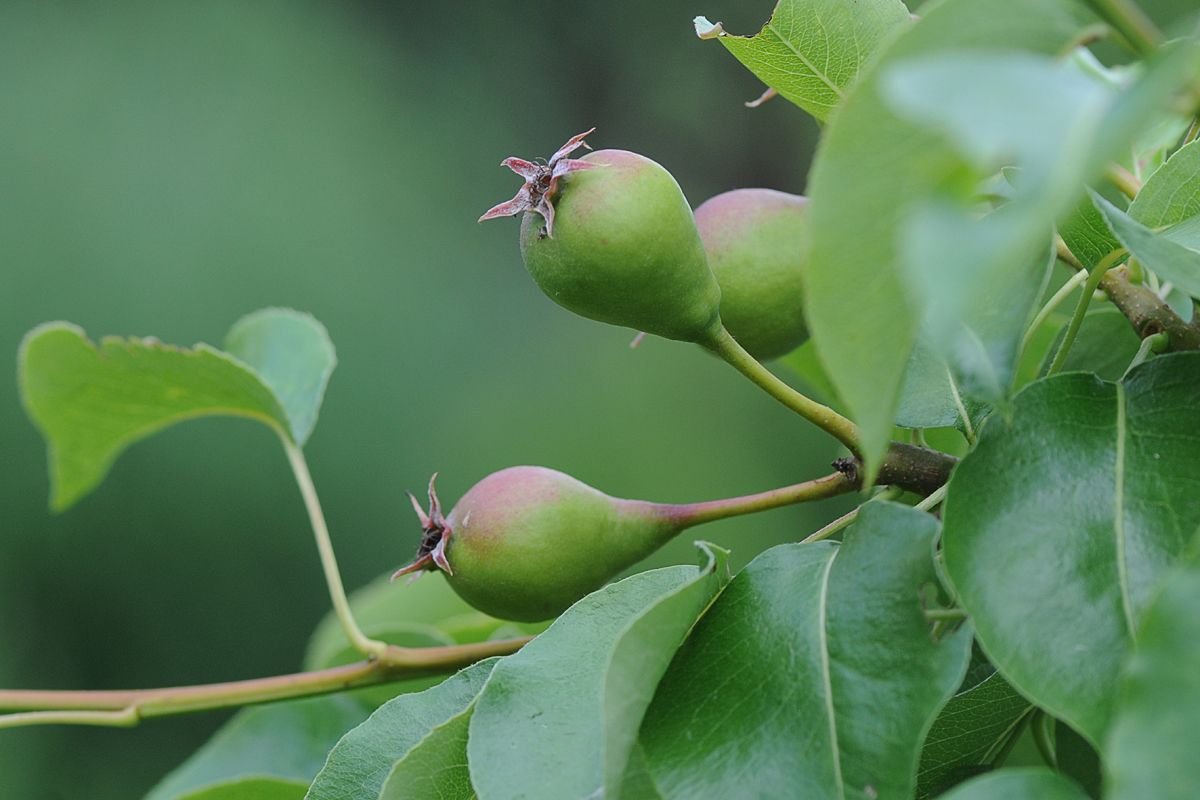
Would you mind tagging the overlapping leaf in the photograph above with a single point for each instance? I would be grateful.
(1151, 752)
(1018, 784)
(403, 738)
(814, 674)
(810, 51)
(1061, 521)
(560, 718)
(271, 748)
(92, 401)
(1158, 252)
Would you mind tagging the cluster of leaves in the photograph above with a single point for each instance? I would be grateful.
(1058, 593)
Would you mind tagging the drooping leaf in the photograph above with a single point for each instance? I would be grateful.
(810, 51)
(292, 354)
(873, 168)
(252, 789)
(972, 730)
(814, 674)
(360, 764)
(1036, 783)
(560, 718)
(285, 741)
(1158, 253)
(93, 401)
(1059, 523)
(1105, 344)
(1151, 752)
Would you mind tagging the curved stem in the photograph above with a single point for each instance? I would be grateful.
(333, 578)
(1089, 288)
(1131, 22)
(125, 708)
(845, 520)
(822, 416)
(1042, 727)
(685, 515)
(1052, 304)
(1125, 181)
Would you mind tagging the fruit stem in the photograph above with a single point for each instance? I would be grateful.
(725, 346)
(333, 577)
(688, 514)
(126, 708)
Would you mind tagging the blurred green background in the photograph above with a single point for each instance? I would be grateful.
(168, 167)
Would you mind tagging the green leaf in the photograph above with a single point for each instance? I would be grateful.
(873, 168)
(1167, 258)
(1172, 193)
(972, 730)
(286, 741)
(436, 766)
(1061, 520)
(292, 354)
(361, 763)
(252, 789)
(814, 674)
(1035, 783)
(1106, 344)
(567, 707)
(1086, 233)
(810, 51)
(927, 399)
(92, 401)
(1151, 751)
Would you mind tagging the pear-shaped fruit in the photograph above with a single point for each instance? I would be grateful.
(526, 542)
(611, 237)
(755, 242)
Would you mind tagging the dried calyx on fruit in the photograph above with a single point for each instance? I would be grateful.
(755, 242)
(611, 237)
(526, 542)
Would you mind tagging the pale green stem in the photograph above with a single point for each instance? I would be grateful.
(847, 519)
(1042, 727)
(1154, 343)
(933, 500)
(333, 578)
(945, 614)
(1052, 305)
(687, 514)
(1089, 288)
(125, 708)
(820, 415)
(1125, 181)
(960, 407)
(1131, 22)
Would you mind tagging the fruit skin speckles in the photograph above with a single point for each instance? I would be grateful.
(623, 246)
(526, 542)
(755, 240)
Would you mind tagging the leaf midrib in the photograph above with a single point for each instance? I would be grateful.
(804, 60)
(823, 644)
(1119, 510)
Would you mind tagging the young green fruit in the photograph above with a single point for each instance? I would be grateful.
(755, 242)
(526, 542)
(611, 237)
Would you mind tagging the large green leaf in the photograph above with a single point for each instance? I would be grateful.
(1167, 258)
(872, 170)
(971, 732)
(814, 674)
(1018, 784)
(284, 741)
(361, 763)
(1061, 520)
(92, 401)
(1151, 751)
(810, 51)
(436, 766)
(560, 718)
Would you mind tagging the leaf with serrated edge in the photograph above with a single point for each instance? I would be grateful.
(810, 51)
(1035, 783)
(1059, 523)
(814, 674)
(287, 741)
(1151, 751)
(872, 169)
(91, 401)
(567, 707)
(359, 765)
